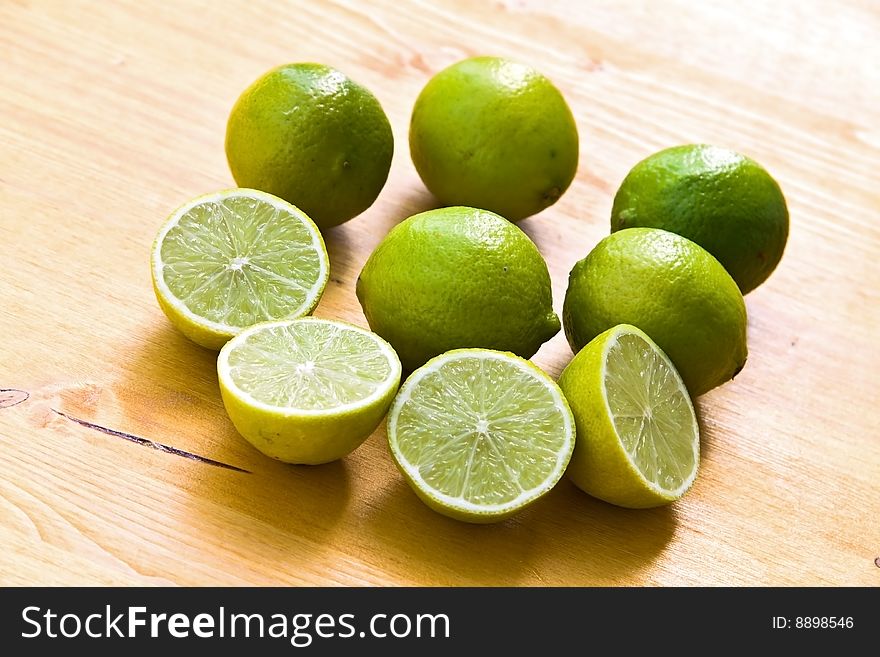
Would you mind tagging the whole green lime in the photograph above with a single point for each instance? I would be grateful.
(494, 134)
(455, 278)
(672, 289)
(723, 201)
(314, 137)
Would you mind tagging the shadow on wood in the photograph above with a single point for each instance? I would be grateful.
(563, 539)
(171, 393)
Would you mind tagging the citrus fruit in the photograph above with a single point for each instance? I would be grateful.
(307, 390)
(638, 443)
(227, 260)
(494, 134)
(673, 290)
(480, 434)
(457, 277)
(311, 135)
(723, 201)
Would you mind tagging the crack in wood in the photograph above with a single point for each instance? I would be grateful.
(146, 442)
(12, 396)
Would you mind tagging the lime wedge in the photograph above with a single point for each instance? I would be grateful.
(480, 434)
(307, 390)
(638, 443)
(228, 260)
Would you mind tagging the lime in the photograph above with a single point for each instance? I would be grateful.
(673, 290)
(494, 134)
(480, 434)
(638, 444)
(227, 260)
(453, 278)
(723, 201)
(307, 390)
(312, 136)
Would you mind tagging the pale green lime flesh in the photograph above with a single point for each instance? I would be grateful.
(236, 260)
(482, 432)
(651, 412)
(309, 365)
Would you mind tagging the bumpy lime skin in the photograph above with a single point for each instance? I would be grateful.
(494, 134)
(673, 290)
(314, 137)
(456, 278)
(720, 199)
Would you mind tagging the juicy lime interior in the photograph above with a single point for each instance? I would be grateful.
(651, 411)
(482, 429)
(309, 365)
(238, 260)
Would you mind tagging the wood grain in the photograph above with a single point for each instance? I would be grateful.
(113, 113)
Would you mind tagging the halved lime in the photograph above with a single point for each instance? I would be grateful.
(638, 443)
(307, 390)
(480, 434)
(228, 260)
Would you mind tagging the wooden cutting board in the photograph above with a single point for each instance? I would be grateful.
(112, 114)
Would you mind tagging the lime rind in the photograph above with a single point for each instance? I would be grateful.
(480, 433)
(319, 366)
(660, 438)
(257, 265)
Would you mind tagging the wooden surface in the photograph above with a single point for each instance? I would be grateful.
(113, 113)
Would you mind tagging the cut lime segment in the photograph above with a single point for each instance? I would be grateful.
(480, 434)
(652, 413)
(307, 390)
(229, 260)
(638, 440)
